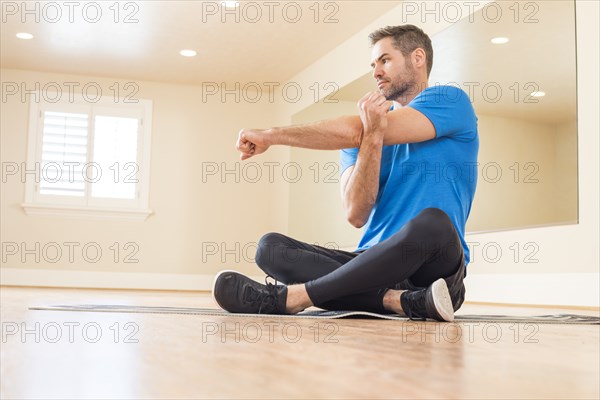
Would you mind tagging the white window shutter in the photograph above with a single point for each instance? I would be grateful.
(64, 153)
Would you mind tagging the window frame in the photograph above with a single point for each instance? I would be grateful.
(88, 206)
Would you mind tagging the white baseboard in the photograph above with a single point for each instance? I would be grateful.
(103, 280)
(543, 289)
(106, 280)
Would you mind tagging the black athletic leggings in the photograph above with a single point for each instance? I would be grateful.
(425, 249)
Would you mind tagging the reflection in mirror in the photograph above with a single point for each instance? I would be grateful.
(527, 174)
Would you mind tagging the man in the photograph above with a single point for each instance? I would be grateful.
(408, 178)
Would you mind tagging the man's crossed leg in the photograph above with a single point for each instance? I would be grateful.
(417, 272)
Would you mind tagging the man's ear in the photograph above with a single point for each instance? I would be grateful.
(419, 58)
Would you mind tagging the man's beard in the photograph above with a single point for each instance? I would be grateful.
(402, 88)
(396, 92)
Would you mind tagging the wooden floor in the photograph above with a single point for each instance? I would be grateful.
(78, 355)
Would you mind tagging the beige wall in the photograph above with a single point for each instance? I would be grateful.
(565, 153)
(567, 252)
(189, 215)
(535, 186)
(188, 132)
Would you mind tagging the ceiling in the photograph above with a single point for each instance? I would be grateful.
(540, 54)
(263, 45)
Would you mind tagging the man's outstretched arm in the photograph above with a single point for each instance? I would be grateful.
(405, 125)
(332, 134)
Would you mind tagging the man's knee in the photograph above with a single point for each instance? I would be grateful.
(266, 248)
(434, 215)
(271, 239)
(277, 256)
(437, 223)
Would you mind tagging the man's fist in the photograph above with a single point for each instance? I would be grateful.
(252, 142)
(373, 109)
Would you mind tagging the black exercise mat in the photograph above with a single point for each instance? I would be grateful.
(321, 314)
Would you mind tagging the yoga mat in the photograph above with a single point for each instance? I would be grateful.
(321, 314)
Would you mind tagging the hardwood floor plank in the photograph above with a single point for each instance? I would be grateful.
(47, 354)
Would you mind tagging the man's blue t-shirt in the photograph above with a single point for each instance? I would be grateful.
(440, 173)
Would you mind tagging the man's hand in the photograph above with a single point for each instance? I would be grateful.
(252, 142)
(373, 109)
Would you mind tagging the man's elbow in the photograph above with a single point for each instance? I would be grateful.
(357, 223)
(356, 220)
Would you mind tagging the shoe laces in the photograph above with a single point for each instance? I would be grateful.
(255, 296)
(416, 303)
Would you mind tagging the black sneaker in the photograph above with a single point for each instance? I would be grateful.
(237, 293)
(433, 302)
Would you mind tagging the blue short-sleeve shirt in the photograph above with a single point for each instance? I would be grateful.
(440, 173)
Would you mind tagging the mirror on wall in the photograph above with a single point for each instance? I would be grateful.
(524, 94)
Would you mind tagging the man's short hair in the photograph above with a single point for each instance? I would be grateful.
(406, 38)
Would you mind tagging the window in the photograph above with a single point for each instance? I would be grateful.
(89, 159)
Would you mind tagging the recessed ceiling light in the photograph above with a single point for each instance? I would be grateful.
(500, 40)
(230, 4)
(188, 53)
(24, 35)
(538, 94)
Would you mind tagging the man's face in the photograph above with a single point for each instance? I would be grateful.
(395, 74)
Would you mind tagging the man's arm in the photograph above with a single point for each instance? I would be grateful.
(405, 125)
(332, 134)
(360, 182)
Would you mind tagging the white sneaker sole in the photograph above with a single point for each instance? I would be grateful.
(442, 300)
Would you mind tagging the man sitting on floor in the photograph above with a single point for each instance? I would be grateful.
(409, 176)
